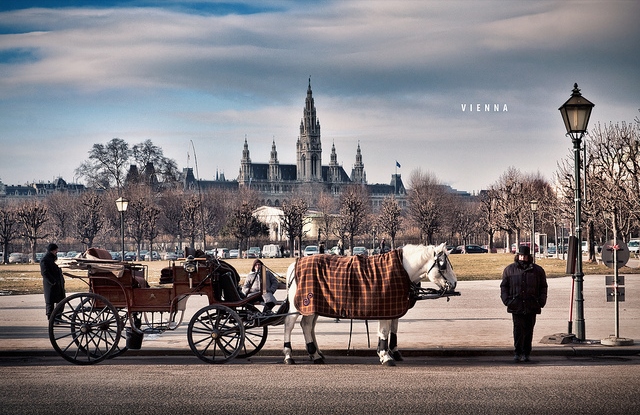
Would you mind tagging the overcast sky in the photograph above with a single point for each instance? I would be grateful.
(398, 77)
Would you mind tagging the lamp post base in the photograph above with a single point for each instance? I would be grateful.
(616, 341)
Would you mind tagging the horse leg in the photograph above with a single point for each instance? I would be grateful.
(308, 326)
(393, 341)
(313, 335)
(383, 343)
(289, 323)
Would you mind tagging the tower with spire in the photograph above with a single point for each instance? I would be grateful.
(309, 146)
(357, 173)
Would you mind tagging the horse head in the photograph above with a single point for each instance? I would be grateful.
(432, 261)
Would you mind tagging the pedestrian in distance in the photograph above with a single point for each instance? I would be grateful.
(253, 284)
(524, 291)
(52, 279)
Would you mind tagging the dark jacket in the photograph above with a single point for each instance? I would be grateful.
(524, 288)
(52, 279)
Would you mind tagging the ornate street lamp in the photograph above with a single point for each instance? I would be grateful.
(122, 204)
(575, 114)
(534, 207)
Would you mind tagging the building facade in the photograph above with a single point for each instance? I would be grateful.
(278, 181)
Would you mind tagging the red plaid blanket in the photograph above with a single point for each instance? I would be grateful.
(356, 287)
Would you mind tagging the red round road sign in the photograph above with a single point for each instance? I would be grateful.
(622, 253)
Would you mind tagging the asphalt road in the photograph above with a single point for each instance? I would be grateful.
(345, 385)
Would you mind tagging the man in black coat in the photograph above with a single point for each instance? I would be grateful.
(52, 279)
(524, 291)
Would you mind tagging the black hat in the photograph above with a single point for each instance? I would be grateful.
(52, 247)
(524, 250)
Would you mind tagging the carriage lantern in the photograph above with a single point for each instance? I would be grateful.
(575, 114)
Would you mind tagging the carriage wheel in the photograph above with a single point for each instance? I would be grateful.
(215, 334)
(85, 328)
(254, 336)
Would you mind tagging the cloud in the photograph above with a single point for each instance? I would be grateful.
(392, 75)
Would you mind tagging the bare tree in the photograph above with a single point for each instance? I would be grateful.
(489, 220)
(191, 217)
(107, 164)
(242, 224)
(427, 203)
(390, 220)
(216, 207)
(294, 218)
(148, 154)
(327, 207)
(9, 229)
(354, 208)
(89, 218)
(60, 209)
(33, 216)
(171, 214)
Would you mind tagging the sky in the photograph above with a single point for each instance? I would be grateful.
(402, 79)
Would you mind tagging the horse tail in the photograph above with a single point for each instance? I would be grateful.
(291, 279)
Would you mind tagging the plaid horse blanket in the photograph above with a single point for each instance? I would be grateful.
(356, 287)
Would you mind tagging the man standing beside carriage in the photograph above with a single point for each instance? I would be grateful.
(52, 279)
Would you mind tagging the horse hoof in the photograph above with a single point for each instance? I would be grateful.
(397, 356)
(318, 361)
(389, 363)
(289, 361)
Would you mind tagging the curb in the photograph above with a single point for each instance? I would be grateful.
(566, 351)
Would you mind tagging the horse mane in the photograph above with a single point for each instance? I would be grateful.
(417, 260)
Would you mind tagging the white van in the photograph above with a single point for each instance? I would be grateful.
(271, 251)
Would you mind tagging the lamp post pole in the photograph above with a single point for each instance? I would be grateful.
(575, 114)
(534, 207)
(121, 205)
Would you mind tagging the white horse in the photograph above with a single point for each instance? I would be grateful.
(417, 260)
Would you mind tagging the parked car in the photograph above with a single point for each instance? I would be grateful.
(234, 253)
(70, 254)
(130, 256)
(149, 256)
(468, 249)
(39, 256)
(311, 250)
(634, 246)
(170, 256)
(18, 258)
(116, 255)
(223, 253)
(253, 252)
(271, 251)
(360, 250)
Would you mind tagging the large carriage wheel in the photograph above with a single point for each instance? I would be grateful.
(254, 336)
(215, 334)
(85, 328)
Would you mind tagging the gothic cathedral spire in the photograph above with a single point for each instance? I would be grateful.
(309, 147)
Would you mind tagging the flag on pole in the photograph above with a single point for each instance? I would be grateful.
(397, 164)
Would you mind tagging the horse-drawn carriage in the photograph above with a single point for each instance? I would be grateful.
(121, 307)
(87, 328)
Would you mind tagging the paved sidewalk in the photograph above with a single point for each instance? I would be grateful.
(474, 323)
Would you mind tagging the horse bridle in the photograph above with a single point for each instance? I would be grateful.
(441, 261)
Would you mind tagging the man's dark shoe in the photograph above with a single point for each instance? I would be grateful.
(517, 358)
(525, 358)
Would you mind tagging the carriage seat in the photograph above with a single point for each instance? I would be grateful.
(228, 290)
(99, 253)
(166, 276)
